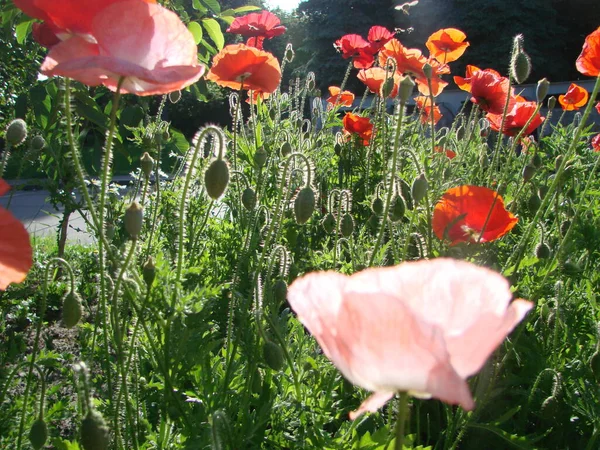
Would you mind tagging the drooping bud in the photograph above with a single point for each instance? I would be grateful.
(286, 149)
(536, 161)
(249, 198)
(534, 203)
(528, 172)
(387, 87)
(304, 205)
(216, 178)
(328, 223)
(542, 90)
(147, 164)
(174, 96)
(397, 208)
(377, 206)
(134, 219)
(16, 132)
(542, 251)
(419, 188)
(260, 157)
(71, 309)
(273, 355)
(94, 432)
(38, 433)
(280, 291)
(347, 225)
(37, 143)
(406, 193)
(406, 88)
(149, 271)
(289, 53)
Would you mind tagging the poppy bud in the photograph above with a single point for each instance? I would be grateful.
(147, 164)
(71, 309)
(273, 355)
(310, 81)
(249, 198)
(373, 222)
(536, 161)
(550, 407)
(328, 223)
(216, 178)
(528, 172)
(38, 434)
(564, 227)
(304, 205)
(419, 188)
(377, 206)
(460, 132)
(94, 432)
(406, 193)
(405, 90)
(551, 103)
(534, 203)
(387, 87)
(542, 191)
(16, 132)
(398, 208)
(289, 53)
(134, 219)
(37, 143)
(174, 96)
(542, 90)
(520, 64)
(483, 160)
(337, 148)
(165, 136)
(286, 149)
(427, 70)
(149, 272)
(347, 225)
(542, 251)
(260, 157)
(280, 291)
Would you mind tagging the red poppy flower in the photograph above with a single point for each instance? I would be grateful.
(598, 107)
(148, 46)
(424, 105)
(15, 248)
(462, 213)
(362, 126)
(489, 90)
(355, 47)
(346, 98)
(253, 100)
(451, 154)
(374, 77)
(588, 62)
(379, 36)
(596, 143)
(410, 61)
(264, 24)
(575, 98)
(516, 119)
(44, 34)
(238, 66)
(447, 45)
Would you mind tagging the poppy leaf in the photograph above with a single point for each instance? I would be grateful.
(214, 31)
(196, 31)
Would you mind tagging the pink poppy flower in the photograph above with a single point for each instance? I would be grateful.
(149, 46)
(421, 327)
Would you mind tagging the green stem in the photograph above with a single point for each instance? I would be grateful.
(401, 420)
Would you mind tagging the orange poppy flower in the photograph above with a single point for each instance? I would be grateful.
(596, 143)
(15, 248)
(462, 213)
(410, 61)
(516, 119)
(346, 98)
(362, 126)
(451, 154)
(447, 45)
(588, 62)
(489, 90)
(143, 43)
(354, 46)
(238, 66)
(575, 98)
(379, 36)
(424, 105)
(374, 77)
(253, 100)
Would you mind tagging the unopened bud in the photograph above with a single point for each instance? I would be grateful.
(174, 96)
(260, 157)
(147, 164)
(419, 188)
(551, 103)
(406, 88)
(427, 70)
(387, 87)
(528, 173)
(289, 53)
(542, 90)
(134, 219)
(16, 132)
(521, 67)
(149, 272)
(37, 143)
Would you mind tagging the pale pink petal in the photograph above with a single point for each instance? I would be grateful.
(445, 384)
(372, 403)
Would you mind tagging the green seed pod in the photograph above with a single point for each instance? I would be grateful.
(534, 203)
(273, 355)
(542, 251)
(551, 103)
(397, 208)
(328, 223)
(38, 434)
(347, 225)
(406, 88)
(149, 272)
(94, 432)
(528, 172)
(595, 365)
(174, 96)
(564, 227)
(280, 291)
(373, 222)
(147, 164)
(71, 309)
(406, 193)
(216, 178)
(419, 188)
(304, 205)
(427, 70)
(286, 149)
(134, 219)
(260, 157)
(542, 90)
(37, 143)
(536, 161)
(249, 198)
(377, 206)
(16, 132)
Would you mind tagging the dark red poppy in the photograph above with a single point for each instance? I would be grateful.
(264, 24)
(575, 98)
(463, 211)
(489, 90)
(596, 143)
(379, 36)
(451, 154)
(44, 34)
(516, 119)
(354, 46)
(588, 62)
(362, 126)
